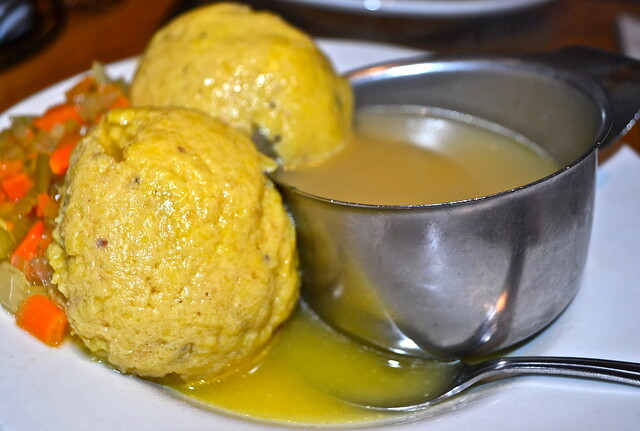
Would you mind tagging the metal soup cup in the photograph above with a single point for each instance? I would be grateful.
(474, 276)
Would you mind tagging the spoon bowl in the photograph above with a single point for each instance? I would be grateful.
(469, 375)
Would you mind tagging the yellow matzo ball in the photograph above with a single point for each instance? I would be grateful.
(172, 249)
(254, 71)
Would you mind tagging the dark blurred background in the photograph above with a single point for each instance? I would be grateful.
(69, 34)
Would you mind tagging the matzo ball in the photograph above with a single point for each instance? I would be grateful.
(172, 249)
(254, 71)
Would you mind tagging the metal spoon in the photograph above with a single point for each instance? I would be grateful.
(470, 374)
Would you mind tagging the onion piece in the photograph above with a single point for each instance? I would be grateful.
(14, 287)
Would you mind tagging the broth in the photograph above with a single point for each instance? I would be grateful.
(414, 156)
(309, 370)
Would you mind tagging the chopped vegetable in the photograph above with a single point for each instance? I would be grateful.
(120, 102)
(42, 173)
(42, 318)
(38, 272)
(28, 248)
(43, 202)
(16, 186)
(10, 167)
(34, 157)
(14, 287)
(59, 161)
(59, 114)
(7, 244)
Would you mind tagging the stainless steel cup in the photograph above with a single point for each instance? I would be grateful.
(475, 276)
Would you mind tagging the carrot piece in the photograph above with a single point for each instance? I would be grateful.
(58, 114)
(27, 249)
(43, 200)
(43, 319)
(16, 186)
(59, 160)
(121, 101)
(10, 167)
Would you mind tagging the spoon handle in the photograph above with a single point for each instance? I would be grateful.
(596, 369)
(627, 373)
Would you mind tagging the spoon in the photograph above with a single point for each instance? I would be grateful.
(470, 374)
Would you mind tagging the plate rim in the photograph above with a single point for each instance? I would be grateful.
(442, 9)
(157, 409)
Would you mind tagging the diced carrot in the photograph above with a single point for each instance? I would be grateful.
(58, 114)
(10, 167)
(16, 186)
(121, 101)
(43, 319)
(28, 248)
(59, 160)
(43, 200)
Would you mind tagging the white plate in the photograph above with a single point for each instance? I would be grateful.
(422, 8)
(56, 389)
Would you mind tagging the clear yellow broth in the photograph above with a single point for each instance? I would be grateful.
(311, 375)
(402, 156)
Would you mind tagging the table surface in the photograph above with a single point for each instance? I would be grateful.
(123, 29)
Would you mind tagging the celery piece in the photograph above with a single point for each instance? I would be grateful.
(7, 243)
(14, 287)
(42, 173)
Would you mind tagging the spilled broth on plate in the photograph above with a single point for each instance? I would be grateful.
(313, 375)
